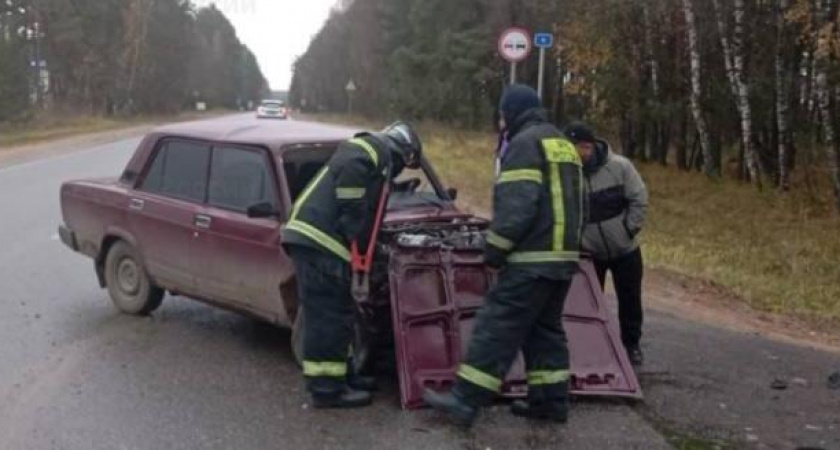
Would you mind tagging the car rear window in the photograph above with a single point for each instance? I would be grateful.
(240, 178)
(302, 164)
(179, 170)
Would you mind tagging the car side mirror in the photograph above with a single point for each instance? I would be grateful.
(263, 210)
(452, 193)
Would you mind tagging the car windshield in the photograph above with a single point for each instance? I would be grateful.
(416, 187)
(273, 104)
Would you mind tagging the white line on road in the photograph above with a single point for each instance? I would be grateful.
(54, 237)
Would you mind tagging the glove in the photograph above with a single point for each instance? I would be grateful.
(494, 257)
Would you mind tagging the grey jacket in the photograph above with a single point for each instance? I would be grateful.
(618, 202)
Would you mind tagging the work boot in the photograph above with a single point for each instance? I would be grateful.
(552, 412)
(363, 383)
(454, 408)
(348, 398)
(635, 355)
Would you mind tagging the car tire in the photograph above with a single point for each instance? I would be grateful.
(360, 350)
(129, 286)
(298, 335)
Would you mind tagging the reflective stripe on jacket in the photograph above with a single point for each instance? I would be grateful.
(538, 207)
(339, 205)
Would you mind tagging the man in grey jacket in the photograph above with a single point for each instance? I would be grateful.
(618, 202)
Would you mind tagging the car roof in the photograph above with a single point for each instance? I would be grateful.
(249, 130)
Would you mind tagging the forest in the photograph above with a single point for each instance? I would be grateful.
(121, 57)
(743, 89)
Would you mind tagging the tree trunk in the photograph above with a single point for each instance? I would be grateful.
(831, 147)
(783, 137)
(727, 49)
(650, 56)
(823, 93)
(740, 87)
(682, 146)
(696, 91)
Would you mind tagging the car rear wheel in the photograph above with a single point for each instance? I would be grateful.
(129, 285)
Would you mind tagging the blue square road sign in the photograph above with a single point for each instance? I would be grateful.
(544, 40)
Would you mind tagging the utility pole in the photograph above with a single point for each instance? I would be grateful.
(351, 90)
(38, 67)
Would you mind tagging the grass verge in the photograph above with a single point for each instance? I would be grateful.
(52, 127)
(778, 252)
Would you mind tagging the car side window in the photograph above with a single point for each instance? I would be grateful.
(179, 170)
(240, 178)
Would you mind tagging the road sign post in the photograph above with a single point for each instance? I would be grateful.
(514, 47)
(351, 89)
(543, 41)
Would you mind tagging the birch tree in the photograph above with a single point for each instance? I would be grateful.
(697, 90)
(734, 60)
(824, 37)
(782, 96)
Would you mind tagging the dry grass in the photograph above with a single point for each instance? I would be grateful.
(780, 253)
(47, 127)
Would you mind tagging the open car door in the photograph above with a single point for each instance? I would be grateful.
(435, 294)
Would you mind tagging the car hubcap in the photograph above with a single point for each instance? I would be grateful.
(128, 276)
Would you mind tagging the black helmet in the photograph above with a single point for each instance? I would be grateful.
(408, 143)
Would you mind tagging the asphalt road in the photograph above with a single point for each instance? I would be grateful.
(75, 374)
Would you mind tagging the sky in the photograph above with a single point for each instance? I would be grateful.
(277, 31)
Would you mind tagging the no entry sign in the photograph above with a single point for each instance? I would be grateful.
(515, 45)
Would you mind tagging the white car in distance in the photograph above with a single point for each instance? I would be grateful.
(273, 109)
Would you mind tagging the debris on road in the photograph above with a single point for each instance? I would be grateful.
(779, 384)
(799, 382)
(834, 380)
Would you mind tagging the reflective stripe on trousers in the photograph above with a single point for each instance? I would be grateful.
(325, 369)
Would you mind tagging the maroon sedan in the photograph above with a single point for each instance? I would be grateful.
(199, 212)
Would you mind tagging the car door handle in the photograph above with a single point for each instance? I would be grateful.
(136, 204)
(203, 222)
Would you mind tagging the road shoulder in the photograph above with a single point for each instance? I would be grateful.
(21, 154)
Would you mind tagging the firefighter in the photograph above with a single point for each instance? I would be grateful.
(618, 203)
(337, 208)
(534, 241)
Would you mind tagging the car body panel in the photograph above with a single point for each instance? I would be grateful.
(435, 295)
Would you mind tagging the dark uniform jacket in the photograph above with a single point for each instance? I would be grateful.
(339, 205)
(538, 201)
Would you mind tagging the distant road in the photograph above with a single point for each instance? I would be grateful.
(74, 374)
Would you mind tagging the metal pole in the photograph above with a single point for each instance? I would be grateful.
(512, 73)
(541, 78)
(39, 88)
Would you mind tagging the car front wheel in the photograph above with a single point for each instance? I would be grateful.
(128, 284)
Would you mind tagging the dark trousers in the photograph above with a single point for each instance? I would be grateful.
(324, 289)
(522, 311)
(627, 272)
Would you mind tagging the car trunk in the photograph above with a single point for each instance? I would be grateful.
(436, 283)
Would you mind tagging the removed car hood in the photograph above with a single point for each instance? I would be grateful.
(435, 294)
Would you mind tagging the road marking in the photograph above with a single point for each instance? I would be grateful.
(55, 237)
